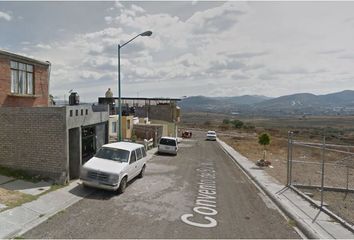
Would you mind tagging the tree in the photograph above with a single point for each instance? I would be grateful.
(264, 140)
(237, 123)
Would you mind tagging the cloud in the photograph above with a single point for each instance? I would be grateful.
(246, 54)
(239, 76)
(5, 16)
(277, 48)
(334, 51)
(295, 71)
(214, 20)
(43, 46)
(349, 56)
(108, 19)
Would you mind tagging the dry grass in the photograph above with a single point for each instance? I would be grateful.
(14, 198)
(308, 174)
(247, 145)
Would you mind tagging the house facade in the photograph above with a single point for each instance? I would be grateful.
(51, 142)
(44, 140)
(24, 82)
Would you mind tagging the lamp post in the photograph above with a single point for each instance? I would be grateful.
(144, 34)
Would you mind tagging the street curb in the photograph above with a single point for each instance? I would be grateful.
(308, 231)
(30, 225)
(42, 218)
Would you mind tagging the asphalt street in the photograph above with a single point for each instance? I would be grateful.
(200, 193)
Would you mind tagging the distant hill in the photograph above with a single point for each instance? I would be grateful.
(219, 104)
(340, 103)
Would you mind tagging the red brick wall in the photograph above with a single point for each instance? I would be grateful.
(40, 85)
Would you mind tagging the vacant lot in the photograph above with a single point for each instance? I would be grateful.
(307, 168)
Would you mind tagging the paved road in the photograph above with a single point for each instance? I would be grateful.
(200, 193)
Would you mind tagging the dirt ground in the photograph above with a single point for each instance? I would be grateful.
(13, 198)
(247, 145)
(339, 202)
(308, 173)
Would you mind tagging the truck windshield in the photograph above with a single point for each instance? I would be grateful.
(114, 154)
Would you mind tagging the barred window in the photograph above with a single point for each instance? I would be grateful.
(21, 78)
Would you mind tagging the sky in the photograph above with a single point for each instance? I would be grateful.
(197, 47)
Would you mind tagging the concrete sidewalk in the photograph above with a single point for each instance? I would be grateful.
(312, 222)
(17, 221)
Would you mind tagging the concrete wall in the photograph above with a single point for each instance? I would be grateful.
(34, 139)
(127, 127)
(127, 132)
(148, 131)
(41, 84)
(163, 112)
(86, 114)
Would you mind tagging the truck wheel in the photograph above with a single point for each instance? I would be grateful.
(142, 172)
(123, 185)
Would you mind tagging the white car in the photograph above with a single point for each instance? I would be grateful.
(168, 145)
(114, 165)
(211, 135)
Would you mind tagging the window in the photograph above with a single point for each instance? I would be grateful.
(128, 124)
(21, 78)
(168, 142)
(143, 151)
(114, 154)
(77, 112)
(82, 112)
(132, 157)
(86, 111)
(139, 154)
(114, 127)
(71, 113)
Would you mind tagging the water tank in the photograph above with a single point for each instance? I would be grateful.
(74, 99)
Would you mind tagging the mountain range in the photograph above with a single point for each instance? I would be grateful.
(340, 103)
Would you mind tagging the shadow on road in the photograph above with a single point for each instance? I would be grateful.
(95, 193)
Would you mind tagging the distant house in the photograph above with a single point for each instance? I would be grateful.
(160, 116)
(24, 81)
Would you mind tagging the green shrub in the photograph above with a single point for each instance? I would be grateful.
(237, 123)
(264, 140)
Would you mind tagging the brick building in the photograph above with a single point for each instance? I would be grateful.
(24, 82)
(50, 141)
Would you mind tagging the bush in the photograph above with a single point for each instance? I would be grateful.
(226, 121)
(237, 123)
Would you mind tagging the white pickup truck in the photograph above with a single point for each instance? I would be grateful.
(114, 165)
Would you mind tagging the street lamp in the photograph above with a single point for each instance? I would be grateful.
(144, 34)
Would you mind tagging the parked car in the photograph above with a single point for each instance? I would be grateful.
(211, 135)
(187, 134)
(114, 165)
(168, 145)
